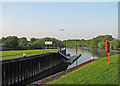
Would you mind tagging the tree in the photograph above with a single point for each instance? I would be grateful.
(11, 42)
(22, 43)
(114, 44)
(32, 40)
(101, 45)
(94, 43)
(0, 41)
(103, 38)
(36, 44)
(97, 42)
(3, 39)
(40, 43)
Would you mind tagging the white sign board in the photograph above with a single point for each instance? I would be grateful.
(48, 42)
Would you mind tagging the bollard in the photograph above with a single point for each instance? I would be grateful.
(108, 50)
(24, 55)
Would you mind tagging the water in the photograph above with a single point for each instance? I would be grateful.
(87, 53)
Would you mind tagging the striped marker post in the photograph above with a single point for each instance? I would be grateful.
(108, 50)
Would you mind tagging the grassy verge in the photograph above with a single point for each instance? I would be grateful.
(97, 72)
(19, 53)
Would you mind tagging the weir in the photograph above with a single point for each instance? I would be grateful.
(25, 70)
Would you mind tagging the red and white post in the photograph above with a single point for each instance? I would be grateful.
(108, 50)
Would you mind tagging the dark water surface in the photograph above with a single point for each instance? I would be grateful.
(87, 53)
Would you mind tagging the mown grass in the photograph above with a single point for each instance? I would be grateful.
(19, 53)
(97, 72)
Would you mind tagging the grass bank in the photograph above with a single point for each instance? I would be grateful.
(19, 53)
(97, 72)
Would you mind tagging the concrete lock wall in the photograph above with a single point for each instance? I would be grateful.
(22, 71)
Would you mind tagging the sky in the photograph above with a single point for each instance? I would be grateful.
(80, 20)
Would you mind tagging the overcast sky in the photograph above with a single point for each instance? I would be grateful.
(80, 20)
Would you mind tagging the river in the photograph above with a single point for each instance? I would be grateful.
(87, 53)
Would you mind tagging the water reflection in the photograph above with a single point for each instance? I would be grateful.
(87, 53)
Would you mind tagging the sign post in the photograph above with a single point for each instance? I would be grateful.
(48, 43)
(108, 50)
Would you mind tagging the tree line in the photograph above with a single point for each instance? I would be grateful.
(98, 42)
(15, 43)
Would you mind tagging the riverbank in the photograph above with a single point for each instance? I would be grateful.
(88, 48)
(97, 72)
(19, 53)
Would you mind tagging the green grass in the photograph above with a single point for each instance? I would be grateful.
(19, 53)
(97, 72)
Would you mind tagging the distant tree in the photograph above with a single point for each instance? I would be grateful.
(3, 39)
(11, 42)
(36, 44)
(103, 38)
(22, 43)
(97, 42)
(94, 43)
(0, 41)
(115, 44)
(40, 43)
(55, 42)
(101, 45)
(32, 40)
